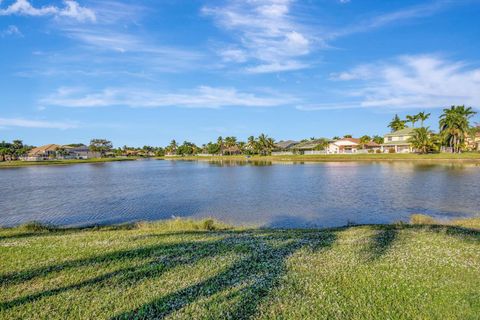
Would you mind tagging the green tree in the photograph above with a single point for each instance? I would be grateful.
(265, 144)
(348, 136)
(397, 124)
(101, 146)
(422, 116)
(365, 139)
(422, 141)
(377, 139)
(454, 126)
(221, 144)
(412, 119)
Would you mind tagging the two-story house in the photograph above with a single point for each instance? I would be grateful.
(398, 141)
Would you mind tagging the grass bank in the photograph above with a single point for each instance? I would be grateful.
(13, 164)
(201, 269)
(473, 157)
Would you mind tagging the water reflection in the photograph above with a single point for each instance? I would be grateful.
(262, 193)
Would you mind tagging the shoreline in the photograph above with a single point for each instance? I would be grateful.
(20, 163)
(471, 157)
(441, 157)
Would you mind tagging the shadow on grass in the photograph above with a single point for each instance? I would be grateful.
(262, 263)
(253, 277)
(381, 242)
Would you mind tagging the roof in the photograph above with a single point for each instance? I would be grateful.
(44, 149)
(372, 144)
(402, 132)
(310, 144)
(286, 144)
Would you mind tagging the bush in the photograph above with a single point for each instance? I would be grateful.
(36, 226)
(391, 150)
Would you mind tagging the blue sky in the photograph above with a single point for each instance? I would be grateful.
(145, 72)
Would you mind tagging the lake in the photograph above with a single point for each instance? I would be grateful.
(253, 194)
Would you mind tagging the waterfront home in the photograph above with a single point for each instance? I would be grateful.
(284, 147)
(314, 146)
(55, 151)
(351, 145)
(398, 141)
(473, 142)
(45, 152)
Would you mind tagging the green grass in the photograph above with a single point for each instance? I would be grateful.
(205, 270)
(440, 157)
(11, 164)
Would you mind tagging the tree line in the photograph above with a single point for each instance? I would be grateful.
(454, 125)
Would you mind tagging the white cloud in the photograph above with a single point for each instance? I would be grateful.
(71, 9)
(412, 12)
(266, 34)
(11, 31)
(420, 81)
(201, 97)
(26, 123)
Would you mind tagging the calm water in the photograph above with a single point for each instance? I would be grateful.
(265, 194)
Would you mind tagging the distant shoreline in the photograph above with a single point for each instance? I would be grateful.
(472, 157)
(441, 157)
(18, 163)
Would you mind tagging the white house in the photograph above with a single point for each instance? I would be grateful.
(351, 145)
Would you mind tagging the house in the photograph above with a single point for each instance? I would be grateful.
(473, 142)
(398, 141)
(351, 145)
(314, 146)
(55, 151)
(284, 147)
(79, 152)
(45, 152)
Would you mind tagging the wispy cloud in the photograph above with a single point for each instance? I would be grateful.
(420, 81)
(268, 37)
(201, 97)
(71, 10)
(42, 124)
(389, 18)
(11, 30)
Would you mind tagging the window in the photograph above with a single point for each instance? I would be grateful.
(389, 138)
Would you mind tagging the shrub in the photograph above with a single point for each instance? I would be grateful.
(391, 150)
(36, 226)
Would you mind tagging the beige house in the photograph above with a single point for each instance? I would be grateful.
(55, 151)
(398, 141)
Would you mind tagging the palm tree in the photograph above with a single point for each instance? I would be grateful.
(266, 144)
(454, 125)
(422, 116)
(377, 139)
(412, 119)
(422, 140)
(220, 143)
(397, 124)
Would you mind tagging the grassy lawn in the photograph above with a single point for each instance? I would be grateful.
(463, 157)
(181, 270)
(10, 164)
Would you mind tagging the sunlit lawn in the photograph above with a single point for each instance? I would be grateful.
(157, 271)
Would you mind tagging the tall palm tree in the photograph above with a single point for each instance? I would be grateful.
(397, 124)
(454, 125)
(412, 119)
(422, 116)
(220, 143)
